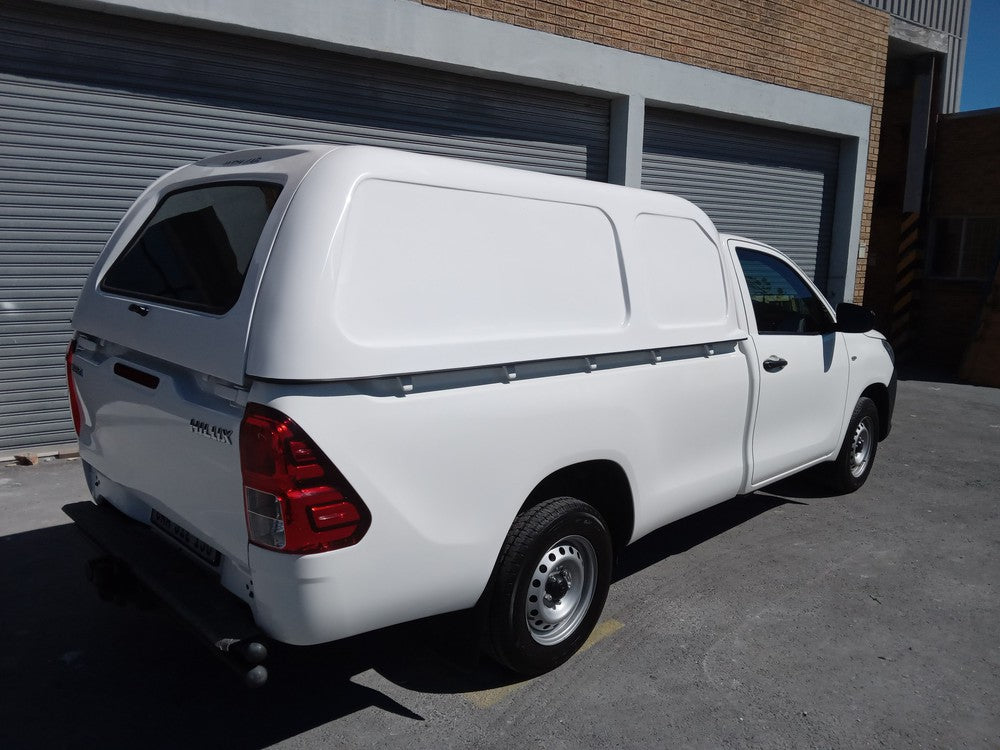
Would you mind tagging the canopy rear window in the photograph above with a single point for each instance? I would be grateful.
(194, 250)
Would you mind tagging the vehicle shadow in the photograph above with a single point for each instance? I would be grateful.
(80, 672)
(76, 671)
(680, 536)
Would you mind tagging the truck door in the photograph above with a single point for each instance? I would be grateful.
(802, 365)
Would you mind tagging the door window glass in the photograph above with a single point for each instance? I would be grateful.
(782, 301)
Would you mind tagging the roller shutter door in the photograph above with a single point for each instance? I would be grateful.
(772, 185)
(96, 106)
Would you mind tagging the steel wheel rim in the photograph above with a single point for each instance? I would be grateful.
(862, 443)
(560, 591)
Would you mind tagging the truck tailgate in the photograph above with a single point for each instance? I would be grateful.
(161, 443)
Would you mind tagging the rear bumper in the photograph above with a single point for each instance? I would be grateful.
(190, 592)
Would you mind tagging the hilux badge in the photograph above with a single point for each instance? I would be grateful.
(211, 431)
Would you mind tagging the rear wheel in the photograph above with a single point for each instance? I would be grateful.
(549, 585)
(857, 453)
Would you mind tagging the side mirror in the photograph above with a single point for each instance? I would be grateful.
(854, 318)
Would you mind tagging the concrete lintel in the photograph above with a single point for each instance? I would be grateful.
(928, 40)
(407, 31)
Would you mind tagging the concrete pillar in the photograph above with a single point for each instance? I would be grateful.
(844, 253)
(628, 114)
(920, 124)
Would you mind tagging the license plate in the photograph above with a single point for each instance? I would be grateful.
(201, 549)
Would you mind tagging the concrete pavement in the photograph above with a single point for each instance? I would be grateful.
(782, 619)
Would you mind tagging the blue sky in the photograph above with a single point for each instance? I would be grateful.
(981, 83)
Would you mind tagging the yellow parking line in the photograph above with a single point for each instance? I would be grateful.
(487, 698)
(602, 631)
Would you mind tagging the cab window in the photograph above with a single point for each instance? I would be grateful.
(782, 301)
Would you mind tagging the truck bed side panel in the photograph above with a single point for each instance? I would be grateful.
(445, 470)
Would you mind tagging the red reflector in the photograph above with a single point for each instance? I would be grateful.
(74, 403)
(306, 472)
(260, 444)
(301, 452)
(317, 496)
(331, 516)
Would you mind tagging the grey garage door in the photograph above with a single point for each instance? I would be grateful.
(772, 185)
(95, 107)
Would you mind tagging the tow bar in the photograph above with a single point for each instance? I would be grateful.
(140, 567)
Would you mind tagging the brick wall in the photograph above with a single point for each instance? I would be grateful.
(982, 359)
(832, 47)
(967, 165)
(966, 182)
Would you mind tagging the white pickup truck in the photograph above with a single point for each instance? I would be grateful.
(347, 387)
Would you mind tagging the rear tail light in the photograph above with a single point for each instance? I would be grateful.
(296, 500)
(74, 402)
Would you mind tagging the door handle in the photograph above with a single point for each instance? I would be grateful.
(774, 363)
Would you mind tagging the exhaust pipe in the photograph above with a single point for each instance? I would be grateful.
(240, 654)
(138, 567)
(115, 583)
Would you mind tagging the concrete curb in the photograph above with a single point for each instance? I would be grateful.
(69, 450)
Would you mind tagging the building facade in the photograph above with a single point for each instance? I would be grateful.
(924, 306)
(767, 113)
(960, 315)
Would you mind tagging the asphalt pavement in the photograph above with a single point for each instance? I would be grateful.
(784, 619)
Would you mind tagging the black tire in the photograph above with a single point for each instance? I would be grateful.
(559, 553)
(857, 453)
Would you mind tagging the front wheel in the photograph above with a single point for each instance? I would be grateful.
(549, 585)
(857, 453)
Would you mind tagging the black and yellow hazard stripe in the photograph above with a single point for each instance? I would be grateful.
(906, 289)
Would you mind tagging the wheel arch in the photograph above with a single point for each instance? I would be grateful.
(601, 483)
(879, 394)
